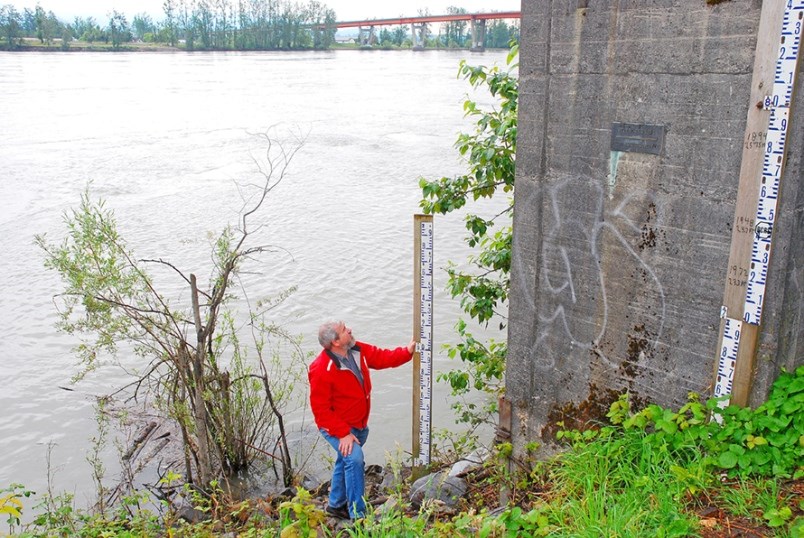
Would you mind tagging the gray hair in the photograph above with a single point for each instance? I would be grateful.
(327, 333)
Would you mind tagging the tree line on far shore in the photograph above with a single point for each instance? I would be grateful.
(225, 25)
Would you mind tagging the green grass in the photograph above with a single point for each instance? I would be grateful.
(619, 486)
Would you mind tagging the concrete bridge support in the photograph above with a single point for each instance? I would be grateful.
(478, 35)
(418, 33)
(366, 36)
(627, 169)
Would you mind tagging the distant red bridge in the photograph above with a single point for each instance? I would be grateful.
(419, 26)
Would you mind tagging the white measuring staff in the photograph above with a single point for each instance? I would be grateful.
(728, 358)
(423, 333)
(766, 214)
(778, 103)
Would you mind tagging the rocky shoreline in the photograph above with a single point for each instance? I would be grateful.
(387, 490)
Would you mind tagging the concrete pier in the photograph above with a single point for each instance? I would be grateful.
(632, 127)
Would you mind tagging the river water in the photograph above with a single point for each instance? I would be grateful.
(164, 138)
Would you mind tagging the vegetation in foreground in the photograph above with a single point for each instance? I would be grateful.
(652, 472)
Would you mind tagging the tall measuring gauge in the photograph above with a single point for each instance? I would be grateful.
(779, 39)
(423, 334)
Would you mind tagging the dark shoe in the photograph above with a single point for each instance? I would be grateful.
(341, 512)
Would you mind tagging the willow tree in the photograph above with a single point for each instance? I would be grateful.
(194, 363)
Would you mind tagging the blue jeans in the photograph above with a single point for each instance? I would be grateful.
(348, 484)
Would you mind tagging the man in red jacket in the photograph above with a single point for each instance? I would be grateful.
(340, 397)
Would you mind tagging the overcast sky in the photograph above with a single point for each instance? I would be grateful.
(346, 10)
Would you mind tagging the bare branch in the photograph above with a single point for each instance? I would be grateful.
(176, 269)
(285, 158)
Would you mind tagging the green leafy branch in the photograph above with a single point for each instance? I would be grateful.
(490, 153)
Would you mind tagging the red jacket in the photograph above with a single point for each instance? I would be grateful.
(337, 399)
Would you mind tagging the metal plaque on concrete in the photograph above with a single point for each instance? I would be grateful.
(637, 137)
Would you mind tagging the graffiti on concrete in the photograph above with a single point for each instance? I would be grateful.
(589, 260)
